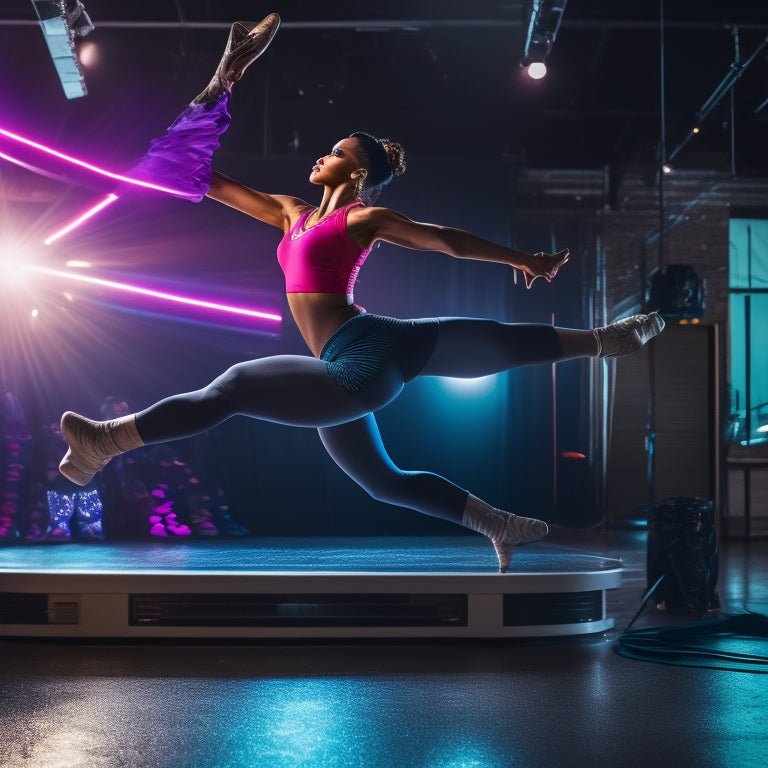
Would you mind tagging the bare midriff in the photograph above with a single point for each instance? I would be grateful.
(319, 315)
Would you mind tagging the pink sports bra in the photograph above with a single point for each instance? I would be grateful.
(321, 258)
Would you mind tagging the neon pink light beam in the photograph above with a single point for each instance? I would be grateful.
(90, 167)
(127, 287)
(108, 200)
(30, 167)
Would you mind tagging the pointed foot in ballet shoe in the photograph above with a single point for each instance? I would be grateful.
(80, 463)
(265, 30)
(519, 530)
(627, 336)
(247, 42)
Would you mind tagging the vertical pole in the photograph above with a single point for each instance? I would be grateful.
(736, 67)
(748, 365)
(651, 436)
(554, 427)
(748, 341)
(266, 115)
(733, 132)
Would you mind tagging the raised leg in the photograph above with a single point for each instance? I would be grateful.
(472, 347)
(629, 335)
(180, 159)
(245, 44)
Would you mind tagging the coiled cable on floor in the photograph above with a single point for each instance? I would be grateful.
(737, 642)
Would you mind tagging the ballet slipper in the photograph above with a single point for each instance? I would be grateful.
(505, 530)
(627, 336)
(245, 44)
(93, 443)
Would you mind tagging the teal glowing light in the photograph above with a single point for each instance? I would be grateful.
(476, 387)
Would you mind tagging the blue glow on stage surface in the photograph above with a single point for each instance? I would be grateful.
(404, 554)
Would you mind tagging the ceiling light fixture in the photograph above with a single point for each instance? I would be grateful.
(62, 21)
(541, 22)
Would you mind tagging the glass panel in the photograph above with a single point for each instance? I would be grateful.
(749, 310)
(748, 253)
(748, 270)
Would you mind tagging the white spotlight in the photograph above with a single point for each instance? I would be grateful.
(12, 271)
(537, 70)
(88, 54)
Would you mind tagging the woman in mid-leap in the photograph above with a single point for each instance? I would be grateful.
(360, 361)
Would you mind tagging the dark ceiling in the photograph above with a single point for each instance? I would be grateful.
(442, 77)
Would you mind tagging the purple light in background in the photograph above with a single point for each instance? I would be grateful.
(88, 166)
(109, 199)
(127, 287)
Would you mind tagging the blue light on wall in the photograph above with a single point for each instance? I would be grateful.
(477, 387)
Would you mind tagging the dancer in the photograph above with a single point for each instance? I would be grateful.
(360, 361)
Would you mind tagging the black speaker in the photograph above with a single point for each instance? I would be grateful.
(682, 547)
(677, 292)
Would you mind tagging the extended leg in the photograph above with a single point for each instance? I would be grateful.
(245, 44)
(180, 159)
(471, 347)
(624, 337)
(358, 449)
(287, 389)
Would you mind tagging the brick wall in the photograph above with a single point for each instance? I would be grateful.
(697, 209)
(631, 253)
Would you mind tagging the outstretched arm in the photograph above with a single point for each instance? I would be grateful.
(277, 210)
(372, 224)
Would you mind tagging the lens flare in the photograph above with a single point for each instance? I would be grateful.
(263, 315)
(137, 289)
(89, 166)
(108, 200)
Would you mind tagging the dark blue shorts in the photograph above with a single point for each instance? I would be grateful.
(368, 345)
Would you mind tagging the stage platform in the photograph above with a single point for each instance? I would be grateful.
(302, 588)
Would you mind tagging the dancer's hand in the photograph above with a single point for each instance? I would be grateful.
(544, 265)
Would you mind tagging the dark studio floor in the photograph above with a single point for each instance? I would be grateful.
(394, 704)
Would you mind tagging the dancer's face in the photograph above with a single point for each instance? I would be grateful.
(339, 165)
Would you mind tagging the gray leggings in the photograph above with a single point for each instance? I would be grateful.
(315, 392)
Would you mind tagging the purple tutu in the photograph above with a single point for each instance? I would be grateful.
(181, 158)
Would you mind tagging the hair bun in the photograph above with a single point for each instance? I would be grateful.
(395, 156)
